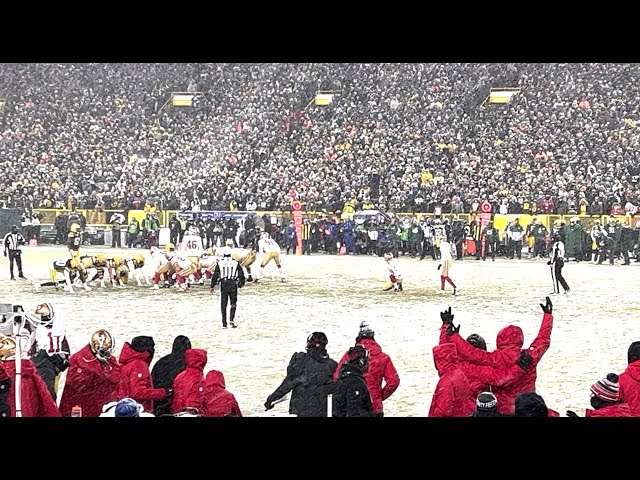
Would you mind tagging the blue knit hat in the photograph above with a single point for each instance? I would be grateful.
(128, 407)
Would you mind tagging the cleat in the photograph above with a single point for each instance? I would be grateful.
(224, 326)
(282, 280)
(256, 280)
(155, 287)
(455, 290)
(233, 324)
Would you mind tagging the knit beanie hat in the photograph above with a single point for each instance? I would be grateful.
(486, 401)
(365, 332)
(607, 388)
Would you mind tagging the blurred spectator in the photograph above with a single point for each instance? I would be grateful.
(309, 379)
(382, 377)
(166, 369)
(220, 401)
(605, 400)
(630, 379)
(189, 386)
(135, 381)
(531, 404)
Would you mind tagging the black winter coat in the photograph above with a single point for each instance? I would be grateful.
(309, 379)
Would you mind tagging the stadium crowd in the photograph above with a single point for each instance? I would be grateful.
(408, 136)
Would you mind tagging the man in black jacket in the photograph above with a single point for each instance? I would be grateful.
(351, 396)
(166, 370)
(309, 379)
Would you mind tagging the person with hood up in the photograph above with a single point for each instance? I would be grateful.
(135, 381)
(509, 344)
(452, 390)
(531, 404)
(381, 370)
(351, 396)
(220, 401)
(482, 378)
(165, 371)
(35, 399)
(92, 378)
(309, 379)
(189, 386)
(630, 380)
(605, 400)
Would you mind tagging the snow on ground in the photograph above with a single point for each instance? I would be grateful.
(594, 324)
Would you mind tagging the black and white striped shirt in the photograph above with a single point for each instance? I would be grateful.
(227, 270)
(12, 241)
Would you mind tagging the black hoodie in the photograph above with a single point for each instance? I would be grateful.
(166, 370)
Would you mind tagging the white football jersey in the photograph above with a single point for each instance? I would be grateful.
(191, 245)
(445, 250)
(50, 339)
(268, 245)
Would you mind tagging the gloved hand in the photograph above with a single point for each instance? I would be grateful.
(524, 360)
(451, 329)
(5, 253)
(439, 266)
(212, 290)
(168, 392)
(268, 405)
(549, 262)
(571, 413)
(446, 316)
(548, 308)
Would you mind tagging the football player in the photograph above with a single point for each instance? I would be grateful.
(270, 250)
(73, 241)
(394, 276)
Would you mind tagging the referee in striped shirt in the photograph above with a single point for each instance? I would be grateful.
(231, 277)
(12, 243)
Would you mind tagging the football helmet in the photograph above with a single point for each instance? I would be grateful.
(264, 236)
(228, 242)
(102, 344)
(7, 347)
(46, 312)
(117, 261)
(388, 256)
(169, 247)
(75, 263)
(74, 228)
(100, 258)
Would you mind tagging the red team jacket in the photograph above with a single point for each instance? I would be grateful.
(617, 410)
(509, 345)
(630, 387)
(188, 386)
(381, 369)
(135, 381)
(220, 402)
(481, 378)
(452, 390)
(35, 399)
(90, 383)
